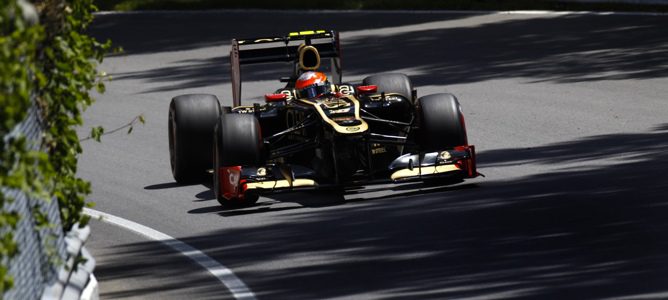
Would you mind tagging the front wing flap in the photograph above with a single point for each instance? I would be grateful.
(237, 181)
(459, 161)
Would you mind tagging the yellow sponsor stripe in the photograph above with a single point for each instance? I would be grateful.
(307, 32)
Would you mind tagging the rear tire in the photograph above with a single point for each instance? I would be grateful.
(237, 142)
(192, 119)
(392, 83)
(441, 123)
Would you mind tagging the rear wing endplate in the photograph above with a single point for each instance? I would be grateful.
(282, 49)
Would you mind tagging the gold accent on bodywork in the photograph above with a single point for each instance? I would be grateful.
(288, 94)
(379, 150)
(345, 89)
(379, 97)
(403, 173)
(335, 103)
(276, 184)
(340, 111)
(309, 102)
(265, 40)
(362, 127)
(303, 49)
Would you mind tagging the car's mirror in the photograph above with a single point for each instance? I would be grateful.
(367, 89)
(275, 97)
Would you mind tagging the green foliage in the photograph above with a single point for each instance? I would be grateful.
(70, 66)
(55, 64)
(17, 58)
(96, 133)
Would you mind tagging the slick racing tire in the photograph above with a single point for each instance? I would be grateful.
(192, 119)
(392, 83)
(237, 142)
(441, 123)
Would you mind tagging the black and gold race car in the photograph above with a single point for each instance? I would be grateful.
(313, 132)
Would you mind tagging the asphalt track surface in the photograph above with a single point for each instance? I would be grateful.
(568, 113)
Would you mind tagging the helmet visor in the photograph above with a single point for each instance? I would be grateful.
(314, 91)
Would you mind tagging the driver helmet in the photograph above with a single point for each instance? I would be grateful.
(312, 84)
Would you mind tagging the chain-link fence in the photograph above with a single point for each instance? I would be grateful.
(45, 266)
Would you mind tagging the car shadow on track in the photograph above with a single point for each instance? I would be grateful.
(233, 212)
(162, 186)
(268, 204)
(321, 198)
(596, 232)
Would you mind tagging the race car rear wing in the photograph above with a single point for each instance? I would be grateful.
(283, 49)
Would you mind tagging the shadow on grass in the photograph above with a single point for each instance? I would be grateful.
(598, 233)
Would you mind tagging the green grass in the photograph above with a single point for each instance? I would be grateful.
(129, 5)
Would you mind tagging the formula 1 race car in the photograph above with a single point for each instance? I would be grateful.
(313, 133)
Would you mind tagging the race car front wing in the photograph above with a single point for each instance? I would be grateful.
(236, 181)
(458, 161)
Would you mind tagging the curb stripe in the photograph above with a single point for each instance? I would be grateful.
(236, 287)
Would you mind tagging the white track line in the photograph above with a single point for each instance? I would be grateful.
(238, 289)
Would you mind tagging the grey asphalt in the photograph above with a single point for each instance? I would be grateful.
(568, 113)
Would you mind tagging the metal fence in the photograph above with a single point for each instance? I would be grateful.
(45, 264)
(31, 268)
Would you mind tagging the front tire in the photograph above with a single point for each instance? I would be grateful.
(392, 83)
(237, 142)
(441, 123)
(192, 119)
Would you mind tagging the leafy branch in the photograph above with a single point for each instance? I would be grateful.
(97, 132)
